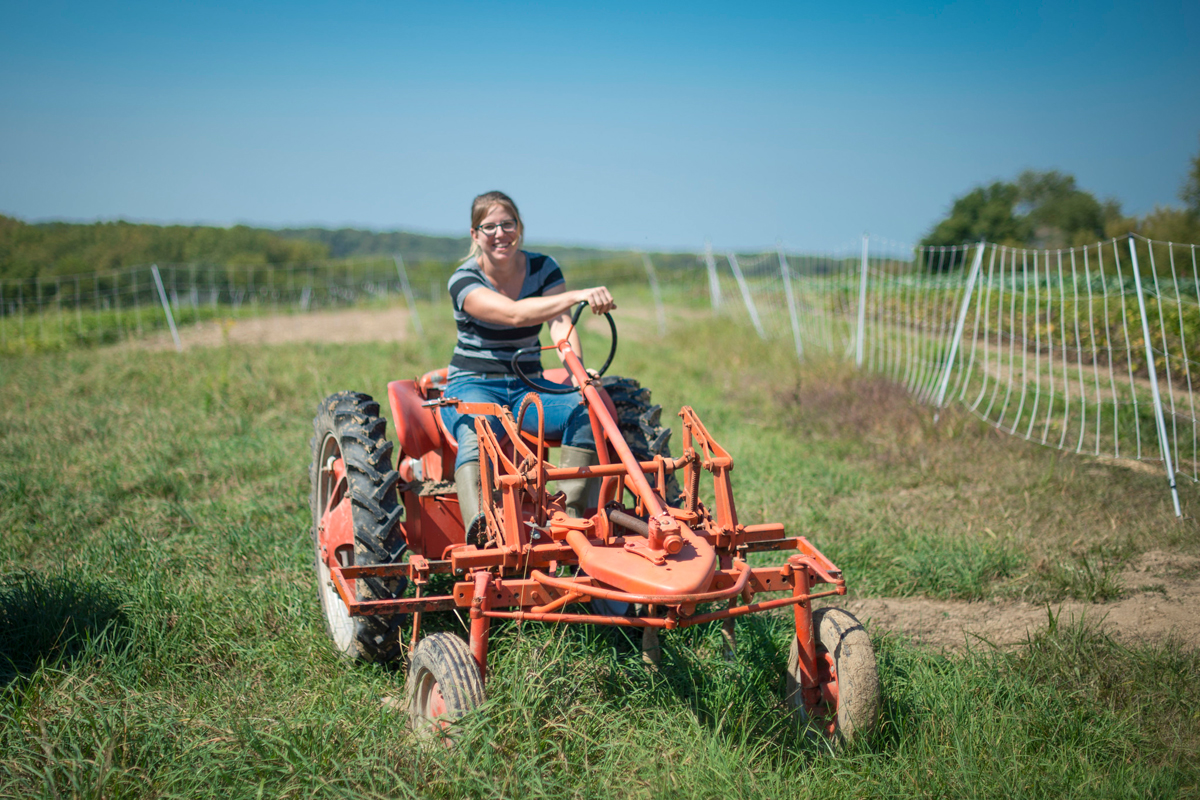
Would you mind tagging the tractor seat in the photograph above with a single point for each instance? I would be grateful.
(420, 430)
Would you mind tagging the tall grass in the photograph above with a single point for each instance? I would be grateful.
(162, 635)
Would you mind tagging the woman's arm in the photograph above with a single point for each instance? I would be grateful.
(560, 326)
(488, 305)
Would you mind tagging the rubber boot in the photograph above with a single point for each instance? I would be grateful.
(578, 490)
(466, 480)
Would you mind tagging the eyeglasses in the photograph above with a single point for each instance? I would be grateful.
(490, 228)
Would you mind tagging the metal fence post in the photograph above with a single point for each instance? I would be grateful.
(117, 304)
(741, 280)
(657, 292)
(40, 311)
(137, 301)
(958, 327)
(1163, 443)
(862, 307)
(408, 293)
(786, 272)
(58, 301)
(714, 283)
(166, 304)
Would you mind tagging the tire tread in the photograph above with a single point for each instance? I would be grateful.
(641, 424)
(843, 636)
(447, 657)
(353, 417)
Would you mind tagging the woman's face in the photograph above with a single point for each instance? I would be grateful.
(500, 245)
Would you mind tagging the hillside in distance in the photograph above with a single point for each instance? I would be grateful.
(353, 242)
(49, 249)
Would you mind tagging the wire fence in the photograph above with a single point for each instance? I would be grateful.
(1090, 350)
(119, 305)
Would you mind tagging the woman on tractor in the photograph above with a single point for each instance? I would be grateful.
(501, 296)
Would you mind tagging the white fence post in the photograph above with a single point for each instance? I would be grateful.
(741, 280)
(958, 327)
(1163, 443)
(714, 283)
(862, 307)
(166, 304)
(786, 271)
(408, 294)
(657, 292)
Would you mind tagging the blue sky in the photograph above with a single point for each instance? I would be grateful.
(656, 125)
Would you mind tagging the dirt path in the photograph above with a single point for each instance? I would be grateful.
(335, 327)
(1162, 600)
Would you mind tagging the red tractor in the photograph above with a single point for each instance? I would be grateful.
(646, 545)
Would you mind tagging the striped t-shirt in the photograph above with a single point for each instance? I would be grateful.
(483, 347)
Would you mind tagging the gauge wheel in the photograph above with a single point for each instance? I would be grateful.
(443, 684)
(846, 672)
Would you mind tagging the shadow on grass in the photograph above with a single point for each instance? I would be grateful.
(52, 619)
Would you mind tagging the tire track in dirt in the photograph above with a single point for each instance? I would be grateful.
(1161, 601)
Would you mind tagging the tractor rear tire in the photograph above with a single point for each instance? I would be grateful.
(846, 648)
(640, 423)
(348, 426)
(443, 684)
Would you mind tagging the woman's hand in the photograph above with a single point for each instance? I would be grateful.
(598, 297)
(593, 374)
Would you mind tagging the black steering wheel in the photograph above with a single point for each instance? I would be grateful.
(525, 379)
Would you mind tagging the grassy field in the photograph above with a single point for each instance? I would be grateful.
(160, 633)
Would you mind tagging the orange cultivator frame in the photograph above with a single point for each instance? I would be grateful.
(531, 561)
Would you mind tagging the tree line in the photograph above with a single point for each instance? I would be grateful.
(50, 249)
(1049, 210)
(62, 248)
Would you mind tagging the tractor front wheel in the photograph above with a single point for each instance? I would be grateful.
(846, 671)
(443, 684)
